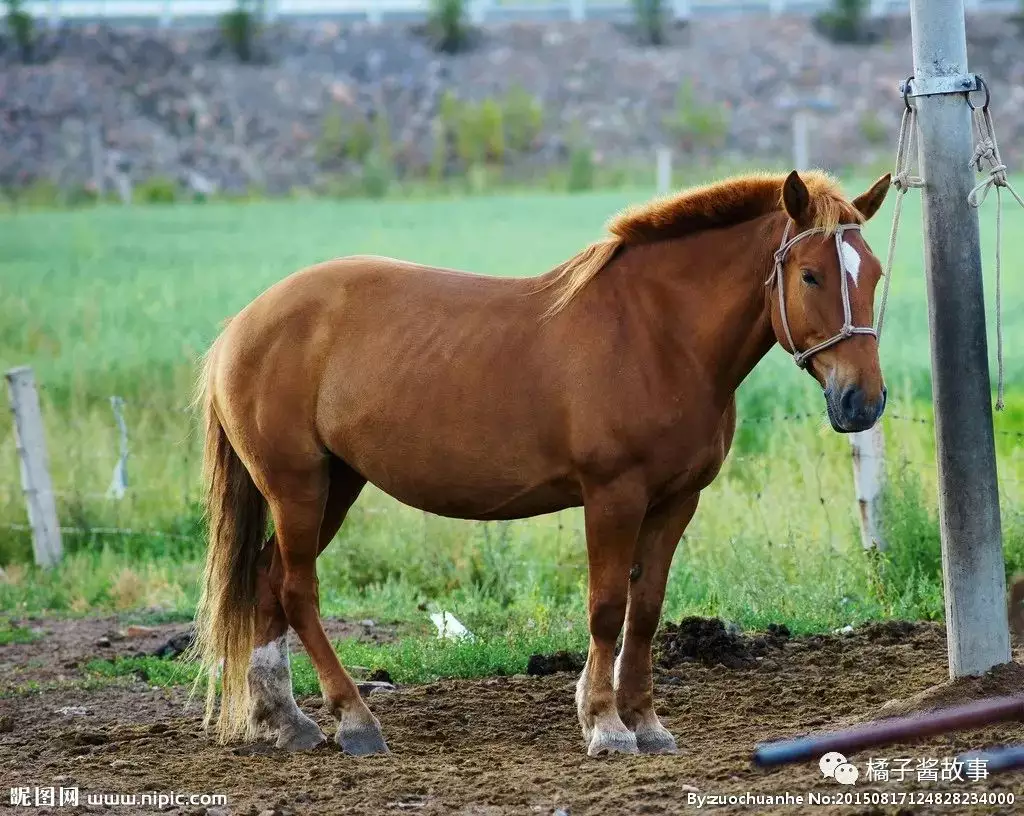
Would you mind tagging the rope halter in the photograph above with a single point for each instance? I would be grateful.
(848, 329)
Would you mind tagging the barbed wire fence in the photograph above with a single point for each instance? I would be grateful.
(104, 494)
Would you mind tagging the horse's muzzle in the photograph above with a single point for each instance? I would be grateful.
(849, 410)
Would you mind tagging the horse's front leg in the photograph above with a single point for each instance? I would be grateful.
(613, 515)
(634, 686)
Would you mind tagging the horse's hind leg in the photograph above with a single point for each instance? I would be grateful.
(269, 670)
(634, 687)
(269, 675)
(298, 502)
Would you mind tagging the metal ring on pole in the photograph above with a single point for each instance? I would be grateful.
(988, 95)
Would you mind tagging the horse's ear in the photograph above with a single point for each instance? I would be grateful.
(867, 204)
(795, 196)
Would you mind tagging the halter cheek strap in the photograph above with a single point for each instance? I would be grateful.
(848, 329)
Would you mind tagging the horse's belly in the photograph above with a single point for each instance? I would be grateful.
(479, 497)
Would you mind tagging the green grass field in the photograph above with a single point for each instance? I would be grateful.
(111, 301)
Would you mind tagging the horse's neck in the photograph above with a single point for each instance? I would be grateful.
(709, 290)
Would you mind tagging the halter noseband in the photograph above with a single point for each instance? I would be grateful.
(848, 329)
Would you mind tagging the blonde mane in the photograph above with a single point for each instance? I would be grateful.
(720, 204)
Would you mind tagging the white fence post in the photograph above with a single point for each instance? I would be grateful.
(868, 481)
(663, 161)
(35, 472)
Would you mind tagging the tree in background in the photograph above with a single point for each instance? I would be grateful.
(19, 24)
(650, 20)
(447, 25)
(846, 22)
(240, 28)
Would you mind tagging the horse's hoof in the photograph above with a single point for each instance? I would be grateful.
(656, 741)
(612, 742)
(301, 735)
(362, 741)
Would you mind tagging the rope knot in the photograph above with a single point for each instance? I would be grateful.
(903, 181)
(984, 151)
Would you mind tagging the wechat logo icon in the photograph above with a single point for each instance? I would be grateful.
(834, 766)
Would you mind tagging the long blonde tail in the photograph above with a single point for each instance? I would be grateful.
(226, 615)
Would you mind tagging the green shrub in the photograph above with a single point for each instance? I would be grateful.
(344, 137)
(872, 129)
(41, 193)
(846, 22)
(380, 136)
(157, 190)
(524, 119)
(581, 168)
(447, 25)
(650, 20)
(19, 23)
(470, 140)
(439, 154)
(694, 124)
(492, 130)
(378, 173)
(239, 28)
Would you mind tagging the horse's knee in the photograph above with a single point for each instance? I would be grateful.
(606, 617)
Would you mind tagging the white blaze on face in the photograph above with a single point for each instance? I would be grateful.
(851, 260)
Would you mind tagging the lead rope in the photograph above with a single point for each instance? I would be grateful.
(986, 152)
(903, 181)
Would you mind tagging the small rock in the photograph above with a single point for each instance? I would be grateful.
(373, 687)
(367, 623)
(72, 711)
(63, 780)
(103, 643)
(135, 631)
(270, 812)
(6, 724)
(122, 765)
(689, 789)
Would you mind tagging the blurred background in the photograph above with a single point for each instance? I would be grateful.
(163, 161)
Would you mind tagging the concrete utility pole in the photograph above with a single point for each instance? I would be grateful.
(972, 549)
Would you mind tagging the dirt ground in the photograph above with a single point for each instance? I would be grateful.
(505, 745)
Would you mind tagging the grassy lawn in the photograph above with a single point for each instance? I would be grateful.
(109, 301)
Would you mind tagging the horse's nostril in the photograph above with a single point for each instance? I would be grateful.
(850, 401)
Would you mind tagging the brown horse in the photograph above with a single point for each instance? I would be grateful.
(609, 382)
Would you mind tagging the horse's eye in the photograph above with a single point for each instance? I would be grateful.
(809, 278)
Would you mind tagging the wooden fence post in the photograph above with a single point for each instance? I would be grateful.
(868, 481)
(35, 472)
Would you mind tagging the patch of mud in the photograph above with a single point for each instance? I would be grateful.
(512, 745)
(711, 642)
(1001, 681)
(541, 665)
